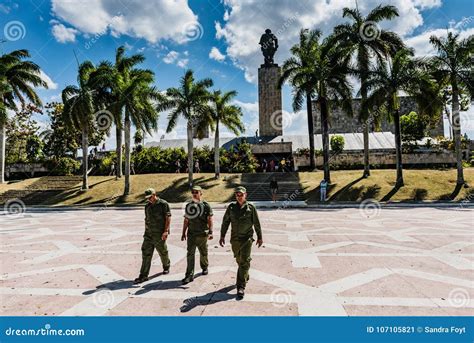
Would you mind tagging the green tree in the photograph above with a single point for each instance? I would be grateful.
(412, 127)
(402, 74)
(366, 42)
(78, 112)
(454, 61)
(298, 71)
(18, 78)
(190, 101)
(222, 112)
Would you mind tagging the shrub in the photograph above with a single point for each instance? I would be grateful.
(63, 166)
(337, 144)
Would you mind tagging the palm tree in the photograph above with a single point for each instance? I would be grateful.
(139, 106)
(79, 107)
(367, 41)
(190, 101)
(297, 70)
(323, 75)
(454, 60)
(128, 93)
(229, 115)
(18, 78)
(402, 74)
(111, 78)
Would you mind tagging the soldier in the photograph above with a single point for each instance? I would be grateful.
(244, 219)
(197, 229)
(157, 229)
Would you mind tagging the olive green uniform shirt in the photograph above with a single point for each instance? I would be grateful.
(243, 221)
(155, 217)
(197, 214)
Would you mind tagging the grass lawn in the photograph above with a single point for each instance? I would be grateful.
(420, 184)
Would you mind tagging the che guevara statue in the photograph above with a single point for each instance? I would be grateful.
(269, 45)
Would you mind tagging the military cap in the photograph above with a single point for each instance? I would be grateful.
(149, 192)
(240, 189)
(196, 188)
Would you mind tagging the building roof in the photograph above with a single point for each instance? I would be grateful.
(353, 141)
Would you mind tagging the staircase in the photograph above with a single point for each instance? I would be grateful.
(42, 190)
(258, 186)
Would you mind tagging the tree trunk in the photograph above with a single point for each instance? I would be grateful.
(456, 124)
(127, 155)
(364, 116)
(217, 169)
(309, 111)
(85, 159)
(325, 139)
(3, 139)
(398, 148)
(118, 170)
(190, 152)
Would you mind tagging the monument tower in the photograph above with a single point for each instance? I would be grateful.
(269, 94)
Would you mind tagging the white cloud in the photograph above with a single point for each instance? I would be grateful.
(245, 21)
(171, 57)
(215, 54)
(63, 34)
(421, 43)
(152, 20)
(174, 57)
(51, 84)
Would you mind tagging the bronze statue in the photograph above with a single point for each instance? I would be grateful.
(269, 45)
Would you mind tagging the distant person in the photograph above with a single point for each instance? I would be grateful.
(283, 164)
(274, 188)
(264, 165)
(178, 166)
(112, 169)
(322, 190)
(103, 147)
(132, 168)
(272, 165)
(196, 167)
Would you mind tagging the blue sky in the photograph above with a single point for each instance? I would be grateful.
(217, 39)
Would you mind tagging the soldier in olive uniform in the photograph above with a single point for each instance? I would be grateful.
(157, 229)
(243, 217)
(197, 229)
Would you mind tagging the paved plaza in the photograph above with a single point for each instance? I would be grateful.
(314, 262)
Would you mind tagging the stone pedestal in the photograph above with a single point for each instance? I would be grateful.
(269, 101)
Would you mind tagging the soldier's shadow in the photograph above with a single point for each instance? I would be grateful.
(160, 285)
(208, 299)
(117, 285)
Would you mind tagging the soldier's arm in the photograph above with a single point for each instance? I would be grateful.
(168, 218)
(225, 222)
(210, 221)
(185, 228)
(256, 223)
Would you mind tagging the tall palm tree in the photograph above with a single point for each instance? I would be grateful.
(401, 74)
(18, 78)
(128, 93)
(79, 108)
(190, 101)
(111, 78)
(139, 106)
(297, 70)
(454, 60)
(322, 76)
(366, 41)
(229, 115)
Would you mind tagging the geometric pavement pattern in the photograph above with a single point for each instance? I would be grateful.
(314, 262)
